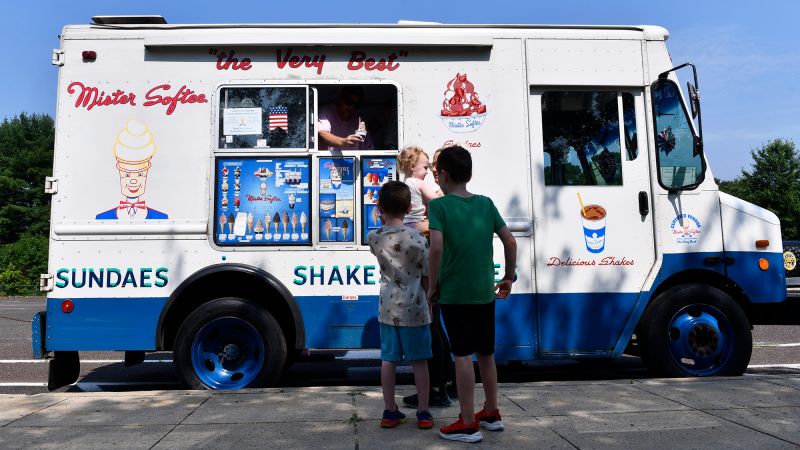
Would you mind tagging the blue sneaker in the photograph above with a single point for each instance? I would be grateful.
(424, 420)
(392, 419)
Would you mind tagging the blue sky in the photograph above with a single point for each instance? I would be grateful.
(748, 55)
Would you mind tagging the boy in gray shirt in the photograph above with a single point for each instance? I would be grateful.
(404, 311)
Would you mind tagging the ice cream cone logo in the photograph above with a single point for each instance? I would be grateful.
(133, 149)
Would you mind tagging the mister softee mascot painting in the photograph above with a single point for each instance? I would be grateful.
(133, 149)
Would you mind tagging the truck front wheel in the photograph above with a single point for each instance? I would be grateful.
(695, 330)
(229, 343)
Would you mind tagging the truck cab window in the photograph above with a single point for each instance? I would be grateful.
(629, 122)
(581, 138)
(679, 164)
(263, 117)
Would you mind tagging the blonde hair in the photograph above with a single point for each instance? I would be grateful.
(408, 157)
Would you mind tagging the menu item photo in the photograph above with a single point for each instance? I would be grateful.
(375, 172)
(336, 199)
(268, 195)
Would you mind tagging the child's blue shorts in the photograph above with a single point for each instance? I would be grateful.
(405, 343)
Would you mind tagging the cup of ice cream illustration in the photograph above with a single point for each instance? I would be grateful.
(593, 218)
(462, 110)
(224, 203)
(292, 200)
(263, 187)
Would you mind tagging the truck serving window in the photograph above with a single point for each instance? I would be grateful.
(680, 163)
(263, 117)
(581, 131)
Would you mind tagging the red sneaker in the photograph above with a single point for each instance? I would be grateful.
(490, 420)
(459, 431)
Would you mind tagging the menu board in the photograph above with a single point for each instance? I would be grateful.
(375, 172)
(262, 201)
(336, 199)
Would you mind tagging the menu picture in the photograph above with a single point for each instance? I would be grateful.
(375, 172)
(336, 199)
(262, 201)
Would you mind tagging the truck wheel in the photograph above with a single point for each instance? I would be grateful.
(229, 343)
(695, 330)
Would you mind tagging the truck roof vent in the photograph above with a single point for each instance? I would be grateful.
(129, 20)
(416, 22)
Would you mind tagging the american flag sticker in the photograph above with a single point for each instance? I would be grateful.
(278, 118)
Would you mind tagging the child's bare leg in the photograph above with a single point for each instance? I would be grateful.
(465, 382)
(488, 371)
(423, 383)
(387, 384)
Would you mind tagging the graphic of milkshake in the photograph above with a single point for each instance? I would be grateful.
(369, 195)
(224, 173)
(294, 222)
(224, 203)
(224, 187)
(236, 201)
(594, 227)
(231, 222)
(303, 222)
(328, 227)
(263, 188)
(285, 221)
(292, 200)
(236, 185)
(276, 219)
(336, 178)
(259, 229)
(250, 219)
(237, 172)
(344, 228)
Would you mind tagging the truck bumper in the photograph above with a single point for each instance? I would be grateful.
(786, 312)
(38, 328)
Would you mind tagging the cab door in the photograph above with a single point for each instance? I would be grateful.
(594, 244)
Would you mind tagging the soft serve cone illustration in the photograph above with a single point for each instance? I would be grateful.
(133, 150)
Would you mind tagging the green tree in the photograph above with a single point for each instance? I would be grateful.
(26, 157)
(21, 263)
(773, 183)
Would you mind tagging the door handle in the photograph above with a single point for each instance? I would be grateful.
(644, 204)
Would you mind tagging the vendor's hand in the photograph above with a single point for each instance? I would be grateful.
(352, 140)
(503, 288)
(433, 295)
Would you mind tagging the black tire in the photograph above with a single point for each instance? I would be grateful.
(695, 330)
(224, 335)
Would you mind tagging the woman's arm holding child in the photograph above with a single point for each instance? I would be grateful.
(428, 193)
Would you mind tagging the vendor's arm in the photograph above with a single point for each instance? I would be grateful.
(332, 140)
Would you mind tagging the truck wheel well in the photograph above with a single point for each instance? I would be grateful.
(709, 278)
(213, 282)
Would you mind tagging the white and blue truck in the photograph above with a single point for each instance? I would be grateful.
(195, 211)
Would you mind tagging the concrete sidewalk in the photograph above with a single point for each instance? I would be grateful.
(744, 412)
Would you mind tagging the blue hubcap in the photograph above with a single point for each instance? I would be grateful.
(700, 339)
(227, 353)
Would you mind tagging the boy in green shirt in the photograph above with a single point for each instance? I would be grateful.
(461, 280)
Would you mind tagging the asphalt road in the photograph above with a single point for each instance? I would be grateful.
(776, 349)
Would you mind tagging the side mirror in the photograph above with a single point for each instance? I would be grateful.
(694, 99)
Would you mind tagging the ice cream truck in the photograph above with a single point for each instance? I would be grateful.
(195, 209)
